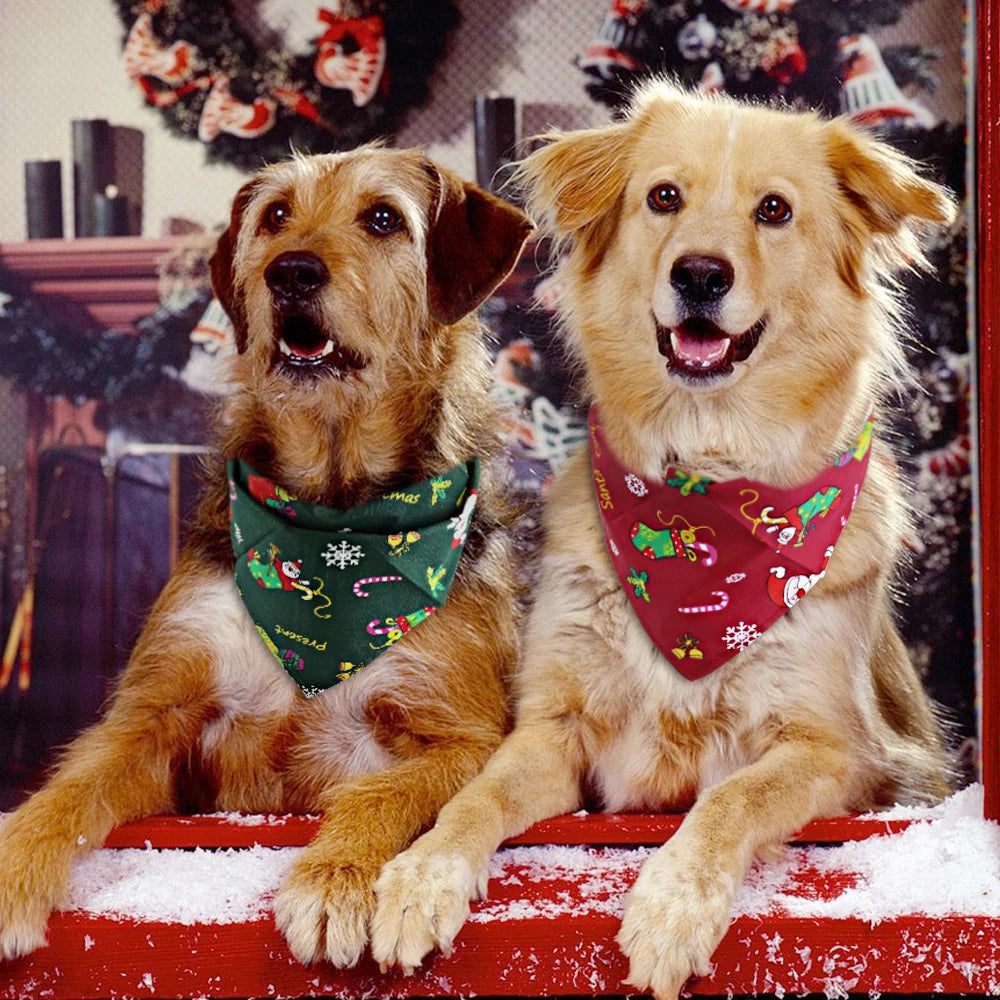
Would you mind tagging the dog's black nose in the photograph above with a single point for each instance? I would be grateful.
(296, 275)
(701, 279)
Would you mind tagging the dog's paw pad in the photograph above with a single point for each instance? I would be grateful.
(422, 903)
(672, 924)
(21, 937)
(325, 916)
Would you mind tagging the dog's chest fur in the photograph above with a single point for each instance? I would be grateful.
(652, 738)
(264, 730)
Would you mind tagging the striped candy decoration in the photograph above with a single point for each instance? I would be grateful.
(358, 592)
(144, 56)
(360, 71)
(222, 112)
(699, 609)
(760, 6)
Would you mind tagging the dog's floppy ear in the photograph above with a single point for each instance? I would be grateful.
(575, 177)
(885, 195)
(574, 181)
(473, 242)
(221, 267)
(883, 183)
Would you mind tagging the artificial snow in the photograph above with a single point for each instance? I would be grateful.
(180, 887)
(600, 879)
(945, 863)
(257, 819)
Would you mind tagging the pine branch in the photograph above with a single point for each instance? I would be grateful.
(910, 66)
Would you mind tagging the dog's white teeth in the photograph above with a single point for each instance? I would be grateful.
(327, 349)
(284, 348)
(683, 351)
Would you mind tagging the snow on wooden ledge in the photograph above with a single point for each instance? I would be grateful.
(916, 910)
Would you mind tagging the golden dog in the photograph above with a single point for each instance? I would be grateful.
(727, 288)
(348, 278)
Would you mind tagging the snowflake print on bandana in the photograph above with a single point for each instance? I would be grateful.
(735, 577)
(342, 555)
(636, 485)
(740, 636)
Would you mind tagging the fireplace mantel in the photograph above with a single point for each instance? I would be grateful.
(107, 282)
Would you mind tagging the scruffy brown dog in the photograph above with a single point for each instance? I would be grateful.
(349, 279)
(727, 287)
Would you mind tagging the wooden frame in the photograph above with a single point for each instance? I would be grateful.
(988, 334)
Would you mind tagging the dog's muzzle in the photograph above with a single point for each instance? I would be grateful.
(295, 277)
(698, 348)
(304, 342)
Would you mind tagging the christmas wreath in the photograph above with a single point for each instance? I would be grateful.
(251, 92)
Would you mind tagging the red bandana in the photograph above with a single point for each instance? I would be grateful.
(710, 566)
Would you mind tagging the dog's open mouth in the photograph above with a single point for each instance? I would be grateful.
(698, 349)
(304, 346)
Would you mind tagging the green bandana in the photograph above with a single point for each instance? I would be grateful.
(330, 589)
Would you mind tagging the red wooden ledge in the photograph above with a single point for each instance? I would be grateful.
(93, 958)
(592, 828)
(539, 933)
(988, 337)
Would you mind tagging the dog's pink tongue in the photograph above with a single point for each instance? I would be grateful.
(305, 350)
(308, 352)
(697, 350)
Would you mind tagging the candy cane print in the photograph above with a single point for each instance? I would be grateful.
(710, 554)
(374, 627)
(393, 632)
(702, 608)
(358, 592)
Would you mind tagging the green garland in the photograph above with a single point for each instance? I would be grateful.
(181, 53)
(39, 356)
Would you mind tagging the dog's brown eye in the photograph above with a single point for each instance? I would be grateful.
(773, 209)
(664, 198)
(383, 219)
(276, 216)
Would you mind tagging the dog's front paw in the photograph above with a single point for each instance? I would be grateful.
(22, 921)
(24, 913)
(323, 909)
(423, 900)
(675, 917)
(33, 878)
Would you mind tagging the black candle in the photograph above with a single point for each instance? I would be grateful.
(92, 169)
(110, 213)
(43, 199)
(496, 137)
